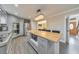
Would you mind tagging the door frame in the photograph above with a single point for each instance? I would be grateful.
(67, 22)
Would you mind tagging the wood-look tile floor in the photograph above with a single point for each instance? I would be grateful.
(71, 48)
(20, 46)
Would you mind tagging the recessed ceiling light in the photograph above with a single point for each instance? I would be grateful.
(16, 5)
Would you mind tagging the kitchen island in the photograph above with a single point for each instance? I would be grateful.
(46, 43)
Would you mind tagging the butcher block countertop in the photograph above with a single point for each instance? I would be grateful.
(55, 37)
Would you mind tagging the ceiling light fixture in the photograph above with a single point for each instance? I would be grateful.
(39, 17)
(39, 10)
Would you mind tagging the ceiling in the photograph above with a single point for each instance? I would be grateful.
(29, 10)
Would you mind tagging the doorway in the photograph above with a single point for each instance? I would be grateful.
(72, 25)
(72, 39)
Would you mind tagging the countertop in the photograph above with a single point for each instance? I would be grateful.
(55, 37)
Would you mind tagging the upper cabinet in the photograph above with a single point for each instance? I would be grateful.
(42, 24)
(3, 16)
(3, 20)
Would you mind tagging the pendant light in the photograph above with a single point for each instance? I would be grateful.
(40, 16)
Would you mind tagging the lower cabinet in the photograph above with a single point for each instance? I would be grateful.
(52, 47)
(47, 47)
(42, 46)
(3, 49)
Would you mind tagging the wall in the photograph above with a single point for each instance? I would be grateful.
(59, 22)
(13, 19)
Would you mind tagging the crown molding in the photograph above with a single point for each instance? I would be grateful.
(67, 11)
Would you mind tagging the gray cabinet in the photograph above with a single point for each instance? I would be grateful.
(42, 45)
(52, 47)
(45, 46)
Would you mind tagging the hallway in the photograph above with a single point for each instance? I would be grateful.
(20, 46)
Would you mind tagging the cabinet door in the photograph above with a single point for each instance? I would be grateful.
(52, 47)
(47, 47)
(42, 45)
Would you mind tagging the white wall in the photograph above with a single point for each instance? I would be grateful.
(12, 19)
(59, 22)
